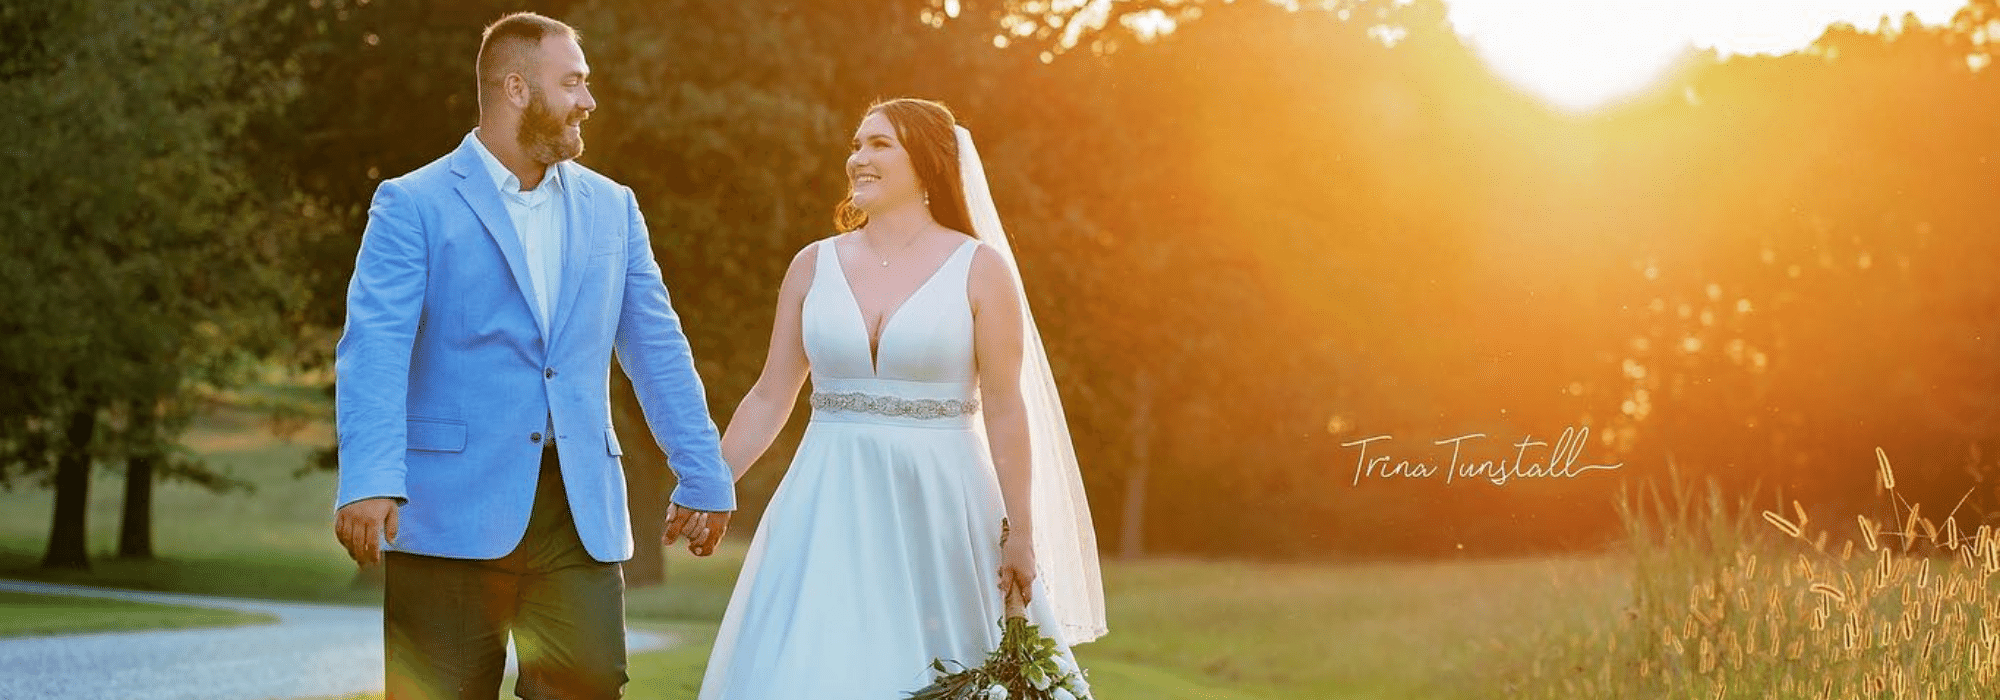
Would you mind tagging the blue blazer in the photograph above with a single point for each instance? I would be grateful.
(446, 379)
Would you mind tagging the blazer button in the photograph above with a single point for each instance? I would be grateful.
(534, 437)
(549, 373)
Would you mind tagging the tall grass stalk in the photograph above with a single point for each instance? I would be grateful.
(1733, 601)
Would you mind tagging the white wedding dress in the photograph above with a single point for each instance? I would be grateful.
(880, 550)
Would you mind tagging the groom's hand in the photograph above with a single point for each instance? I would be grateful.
(362, 525)
(703, 529)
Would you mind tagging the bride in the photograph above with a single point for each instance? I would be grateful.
(935, 426)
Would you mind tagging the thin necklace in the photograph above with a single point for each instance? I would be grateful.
(899, 251)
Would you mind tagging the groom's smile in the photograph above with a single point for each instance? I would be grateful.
(559, 100)
(547, 138)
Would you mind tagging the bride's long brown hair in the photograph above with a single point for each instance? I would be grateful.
(925, 129)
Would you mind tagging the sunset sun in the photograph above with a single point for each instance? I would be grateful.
(1579, 55)
(1574, 55)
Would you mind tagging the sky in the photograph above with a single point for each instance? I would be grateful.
(1579, 54)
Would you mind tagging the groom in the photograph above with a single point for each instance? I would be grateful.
(473, 416)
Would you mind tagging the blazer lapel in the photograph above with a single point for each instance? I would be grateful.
(577, 241)
(477, 187)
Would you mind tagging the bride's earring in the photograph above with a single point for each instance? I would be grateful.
(927, 198)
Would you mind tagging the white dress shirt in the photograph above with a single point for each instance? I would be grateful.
(538, 217)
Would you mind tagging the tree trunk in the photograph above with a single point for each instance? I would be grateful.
(135, 530)
(1131, 535)
(645, 486)
(135, 525)
(67, 546)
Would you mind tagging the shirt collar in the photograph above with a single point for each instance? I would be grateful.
(505, 179)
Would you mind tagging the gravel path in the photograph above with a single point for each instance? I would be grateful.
(312, 651)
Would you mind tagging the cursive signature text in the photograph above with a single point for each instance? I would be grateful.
(1561, 462)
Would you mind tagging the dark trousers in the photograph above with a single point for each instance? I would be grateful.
(446, 621)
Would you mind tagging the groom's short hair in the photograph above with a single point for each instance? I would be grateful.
(511, 45)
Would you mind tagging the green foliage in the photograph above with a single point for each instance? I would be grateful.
(152, 251)
(1026, 666)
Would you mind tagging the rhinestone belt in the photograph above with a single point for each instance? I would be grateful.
(894, 406)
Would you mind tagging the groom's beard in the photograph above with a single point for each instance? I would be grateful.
(542, 134)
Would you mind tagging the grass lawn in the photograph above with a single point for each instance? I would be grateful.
(1707, 602)
(1245, 631)
(26, 614)
(1187, 630)
(1191, 630)
(275, 542)
(675, 674)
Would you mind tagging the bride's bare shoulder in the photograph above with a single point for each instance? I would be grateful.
(806, 261)
(809, 253)
(990, 277)
(987, 262)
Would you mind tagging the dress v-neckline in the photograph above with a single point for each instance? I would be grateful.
(874, 339)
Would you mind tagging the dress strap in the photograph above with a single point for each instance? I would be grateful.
(961, 260)
(826, 258)
(826, 265)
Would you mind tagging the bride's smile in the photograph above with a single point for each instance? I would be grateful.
(879, 172)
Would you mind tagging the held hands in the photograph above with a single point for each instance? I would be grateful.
(1017, 568)
(703, 529)
(363, 525)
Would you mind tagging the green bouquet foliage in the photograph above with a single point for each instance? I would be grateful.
(1027, 666)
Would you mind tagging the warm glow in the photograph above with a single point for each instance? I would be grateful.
(1582, 54)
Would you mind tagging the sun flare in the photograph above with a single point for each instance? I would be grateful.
(1579, 55)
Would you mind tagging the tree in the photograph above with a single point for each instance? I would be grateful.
(165, 277)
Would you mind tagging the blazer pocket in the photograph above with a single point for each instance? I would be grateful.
(611, 443)
(431, 435)
(610, 245)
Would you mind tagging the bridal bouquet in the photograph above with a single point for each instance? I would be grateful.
(1027, 666)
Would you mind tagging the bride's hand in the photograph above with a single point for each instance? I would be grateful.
(1017, 567)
